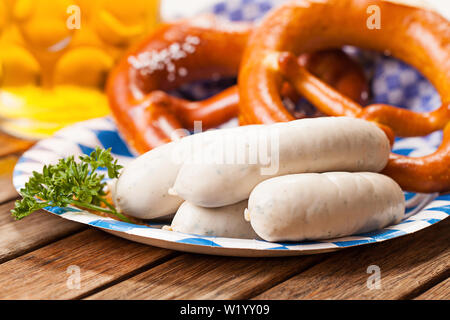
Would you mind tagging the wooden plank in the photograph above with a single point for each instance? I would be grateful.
(440, 291)
(97, 257)
(7, 191)
(408, 265)
(40, 228)
(192, 276)
(10, 145)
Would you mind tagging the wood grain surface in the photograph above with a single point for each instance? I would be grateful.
(408, 265)
(440, 291)
(101, 259)
(10, 145)
(7, 191)
(34, 231)
(191, 276)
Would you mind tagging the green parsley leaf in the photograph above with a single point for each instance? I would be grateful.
(70, 183)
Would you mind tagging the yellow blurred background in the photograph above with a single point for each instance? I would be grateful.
(55, 56)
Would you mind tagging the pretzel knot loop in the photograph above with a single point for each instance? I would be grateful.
(416, 36)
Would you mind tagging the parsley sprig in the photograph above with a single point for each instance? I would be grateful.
(70, 183)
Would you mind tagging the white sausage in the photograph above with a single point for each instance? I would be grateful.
(315, 206)
(141, 190)
(307, 145)
(213, 222)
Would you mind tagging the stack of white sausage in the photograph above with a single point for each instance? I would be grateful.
(325, 184)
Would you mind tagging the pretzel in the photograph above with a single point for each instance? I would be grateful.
(176, 53)
(416, 36)
(201, 48)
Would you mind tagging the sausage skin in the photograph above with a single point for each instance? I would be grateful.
(314, 206)
(213, 222)
(300, 146)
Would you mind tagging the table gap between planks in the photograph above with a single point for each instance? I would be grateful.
(38, 254)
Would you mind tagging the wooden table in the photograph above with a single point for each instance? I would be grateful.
(39, 254)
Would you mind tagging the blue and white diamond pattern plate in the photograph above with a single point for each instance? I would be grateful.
(392, 82)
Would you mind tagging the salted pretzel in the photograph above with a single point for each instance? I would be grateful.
(416, 36)
(175, 54)
(205, 47)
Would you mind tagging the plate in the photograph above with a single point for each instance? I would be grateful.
(423, 210)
